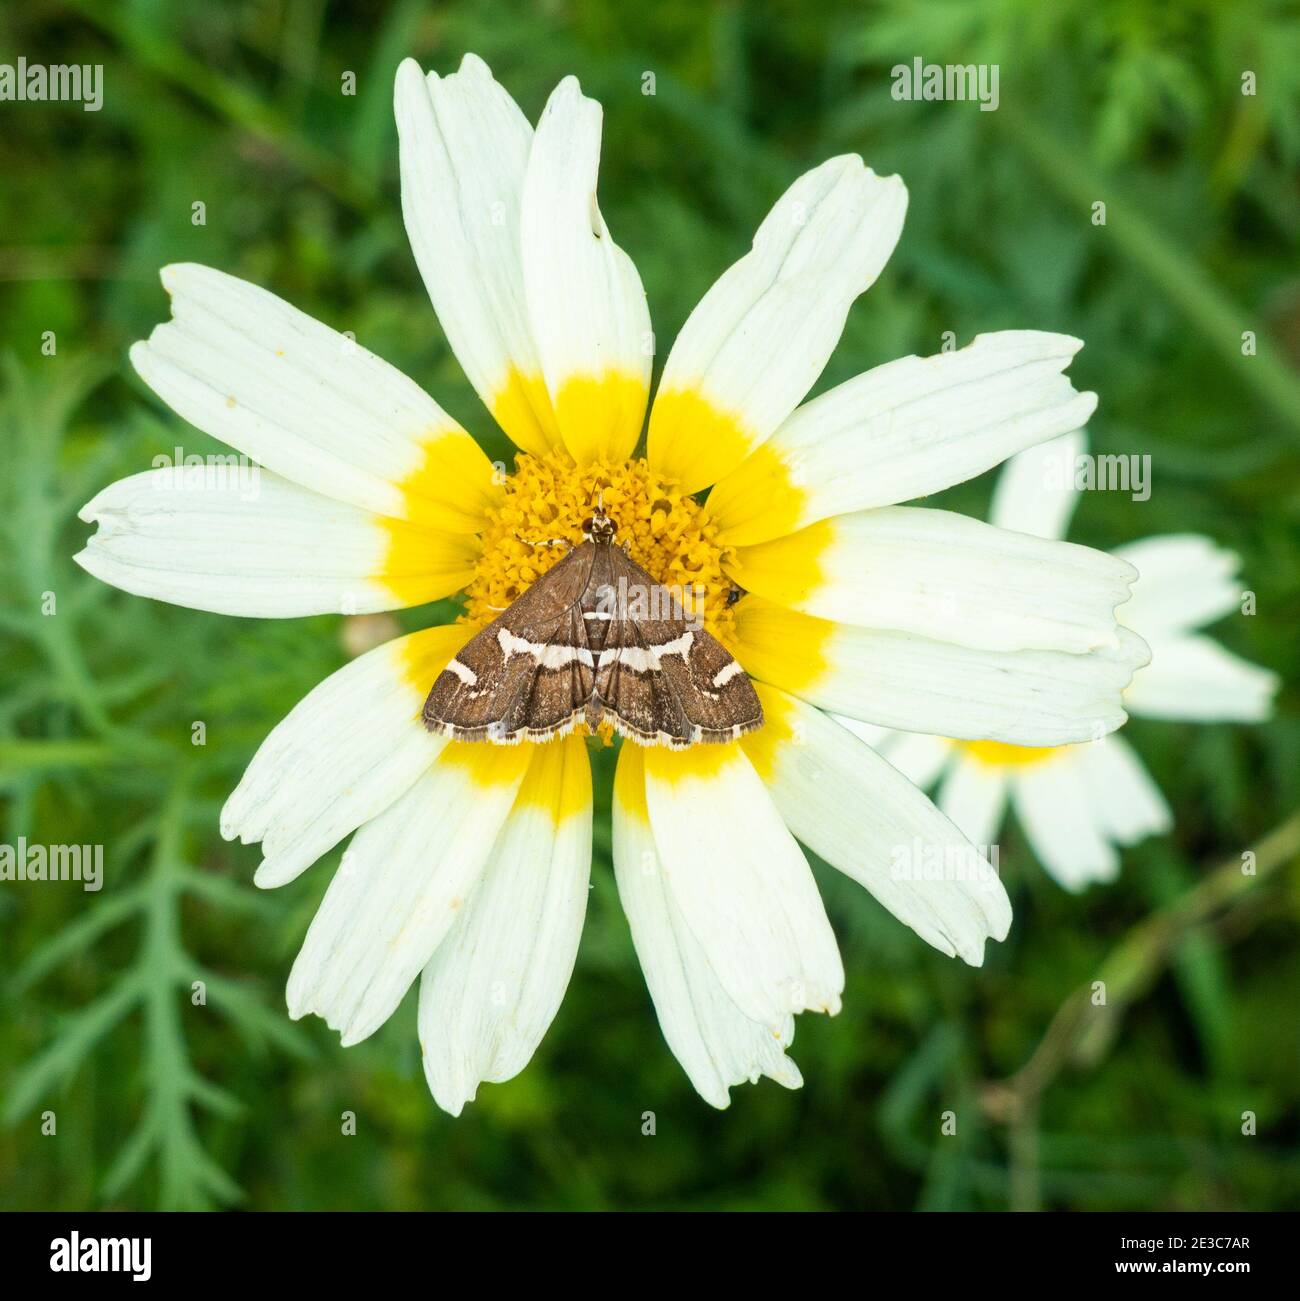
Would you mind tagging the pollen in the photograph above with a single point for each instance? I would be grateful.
(540, 517)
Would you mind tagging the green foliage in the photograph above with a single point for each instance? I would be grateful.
(162, 1101)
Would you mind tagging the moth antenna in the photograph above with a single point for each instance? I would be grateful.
(543, 542)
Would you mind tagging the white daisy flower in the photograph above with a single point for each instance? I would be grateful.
(1076, 804)
(469, 861)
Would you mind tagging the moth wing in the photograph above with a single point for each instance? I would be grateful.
(529, 672)
(640, 703)
(548, 695)
(665, 678)
(715, 691)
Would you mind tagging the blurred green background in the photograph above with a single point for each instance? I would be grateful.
(1134, 102)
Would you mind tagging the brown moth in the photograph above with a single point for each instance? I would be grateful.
(594, 639)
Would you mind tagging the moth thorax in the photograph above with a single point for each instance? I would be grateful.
(599, 528)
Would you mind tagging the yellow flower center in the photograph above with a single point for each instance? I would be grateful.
(999, 754)
(548, 498)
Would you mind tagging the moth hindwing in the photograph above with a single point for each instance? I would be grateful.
(595, 638)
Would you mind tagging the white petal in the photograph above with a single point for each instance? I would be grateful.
(464, 152)
(1061, 823)
(310, 403)
(495, 983)
(904, 430)
(717, 1045)
(848, 805)
(1193, 677)
(399, 887)
(942, 575)
(244, 541)
(878, 738)
(588, 309)
(1127, 804)
(755, 345)
(974, 796)
(1185, 581)
(916, 684)
(742, 884)
(1036, 490)
(347, 751)
(921, 758)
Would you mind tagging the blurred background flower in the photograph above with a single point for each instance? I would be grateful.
(1079, 804)
(122, 722)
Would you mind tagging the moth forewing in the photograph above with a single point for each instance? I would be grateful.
(528, 673)
(655, 675)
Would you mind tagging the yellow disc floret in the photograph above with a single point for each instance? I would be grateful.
(548, 498)
(1001, 754)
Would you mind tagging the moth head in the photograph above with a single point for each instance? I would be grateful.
(599, 527)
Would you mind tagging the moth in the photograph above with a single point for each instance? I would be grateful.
(594, 639)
